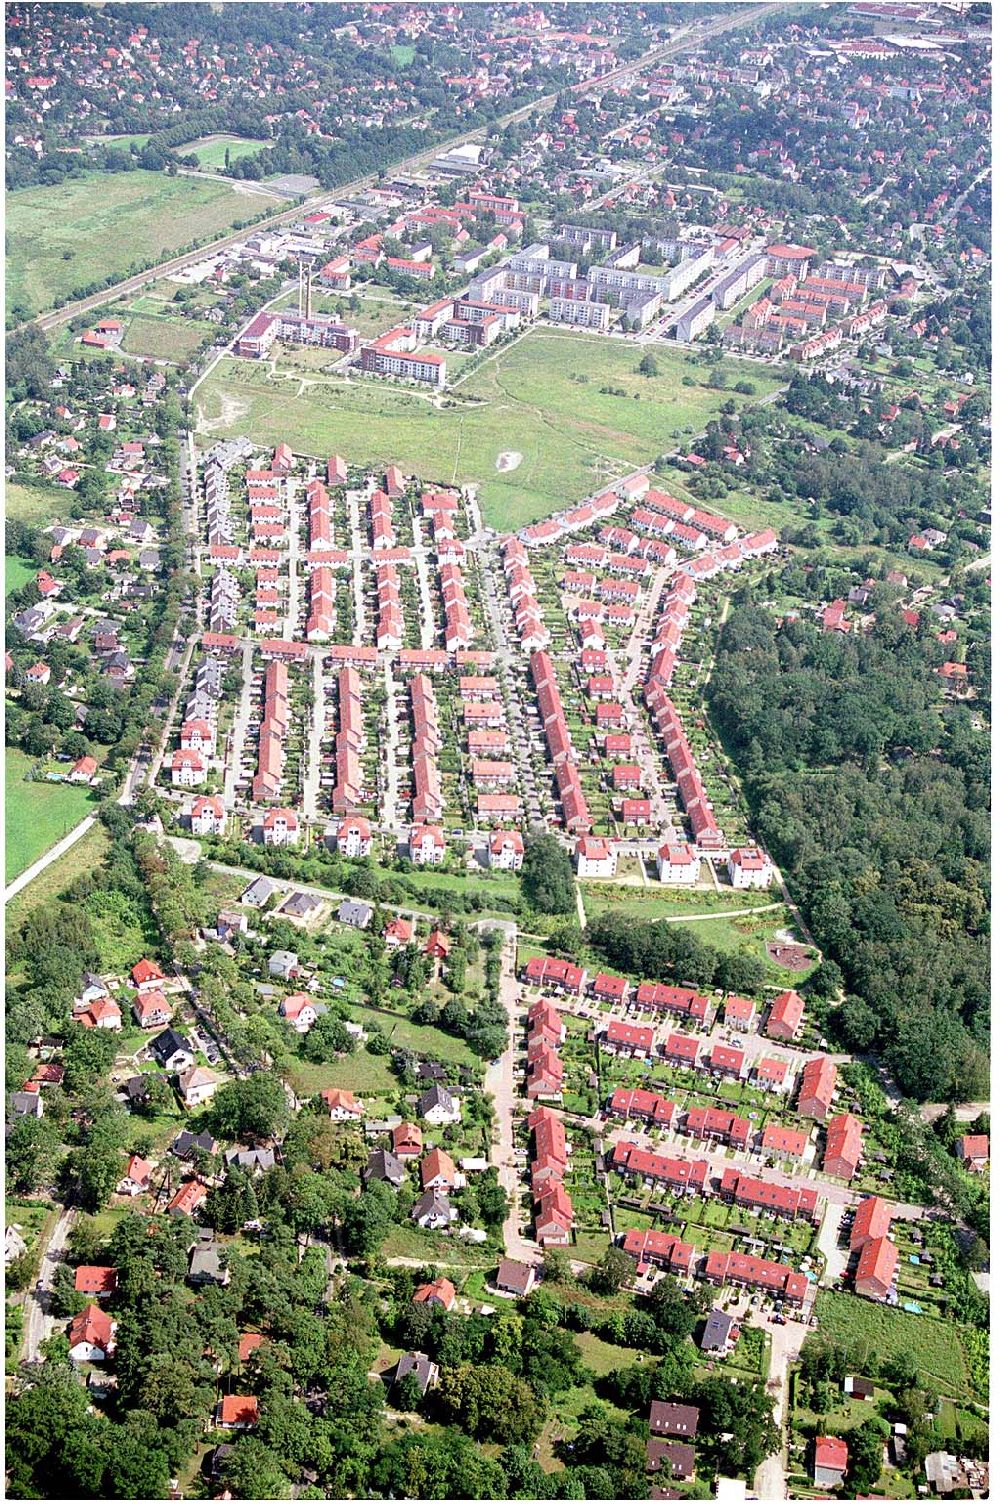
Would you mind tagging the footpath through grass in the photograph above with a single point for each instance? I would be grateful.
(62, 238)
(37, 814)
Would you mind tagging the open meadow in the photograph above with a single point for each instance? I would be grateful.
(35, 504)
(540, 397)
(37, 814)
(65, 237)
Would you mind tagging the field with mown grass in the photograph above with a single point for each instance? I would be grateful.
(211, 150)
(17, 573)
(37, 814)
(540, 397)
(63, 237)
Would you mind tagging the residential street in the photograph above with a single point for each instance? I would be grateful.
(37, 1322)
(501, 1082)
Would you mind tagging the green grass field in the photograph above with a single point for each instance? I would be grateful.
(540, 398)
(163, 337)
(65, 237)
(34, 504)
(935, 1346)
(16, 573)
(85, 856)
(36, 814)
(211, 150)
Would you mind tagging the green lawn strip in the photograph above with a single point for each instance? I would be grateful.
(107, 222)
(38, 814)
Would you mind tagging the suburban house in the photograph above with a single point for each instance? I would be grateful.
(354, 838)
(438, 1172)
(515, 1277)
(407, 1141)
(151, 1009)
(91, 1336)
(973, 1151)
(432, 1210)
(829, 1461)
(785, 1018)
(171, 1051)
(418, 1365)
(237, 1412)
(439, 1293)
(506, 850)
(342, 1105)
(197, 1085)
(96, 1280)
(426, 845)
(438, 1106)
(299, 1010)
(138, 1174)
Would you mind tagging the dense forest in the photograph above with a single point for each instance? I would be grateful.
(875, 801)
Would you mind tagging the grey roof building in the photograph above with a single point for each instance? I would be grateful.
(419, 1365)
(383, 1166)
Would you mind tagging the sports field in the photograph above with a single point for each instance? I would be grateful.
(61, 239)
(539, 398)
(211, 150)
(37, 815)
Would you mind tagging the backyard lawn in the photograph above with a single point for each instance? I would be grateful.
(37, 814)
(64, 237)
(17, 573)
(540, 398)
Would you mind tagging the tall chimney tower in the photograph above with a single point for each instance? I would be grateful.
(309, 290)
(300, 290)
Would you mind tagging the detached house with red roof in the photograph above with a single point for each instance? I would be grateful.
(238, 1412)
(151, 1009)
(830, 1458)
(973, 1151)
(91, 1336)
